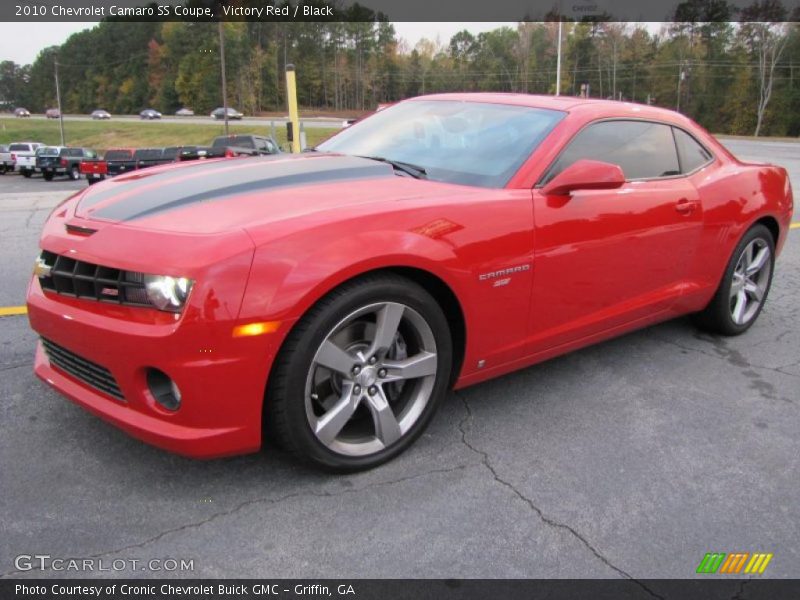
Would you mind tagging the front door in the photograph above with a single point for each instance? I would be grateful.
(605, 258)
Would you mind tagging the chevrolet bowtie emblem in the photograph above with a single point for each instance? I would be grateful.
(41, 269)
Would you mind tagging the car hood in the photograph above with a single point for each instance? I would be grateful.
(213, 196)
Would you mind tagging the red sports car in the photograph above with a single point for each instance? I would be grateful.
(333, 298)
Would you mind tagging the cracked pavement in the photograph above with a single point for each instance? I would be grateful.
(631, 459)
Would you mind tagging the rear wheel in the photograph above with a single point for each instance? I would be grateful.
(744, 287)
(361, 375)
(48, 176)
(25, 172)
(74, 173)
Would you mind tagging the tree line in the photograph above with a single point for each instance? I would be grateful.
(740, 78)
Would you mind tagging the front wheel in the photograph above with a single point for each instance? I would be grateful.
(745, 285)
(361, 375)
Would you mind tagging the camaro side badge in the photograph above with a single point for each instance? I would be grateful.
(500, 276)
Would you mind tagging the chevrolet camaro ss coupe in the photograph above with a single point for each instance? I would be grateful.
(329, 300)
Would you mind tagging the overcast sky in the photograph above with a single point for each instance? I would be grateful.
(21, 42)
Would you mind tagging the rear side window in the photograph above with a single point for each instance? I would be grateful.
(692, 154)
(266, 145)
(642, 149)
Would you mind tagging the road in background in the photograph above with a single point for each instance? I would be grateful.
(632, 458)
(315, 122)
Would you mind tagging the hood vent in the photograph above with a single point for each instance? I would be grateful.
(77, 230)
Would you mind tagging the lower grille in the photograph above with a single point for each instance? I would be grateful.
(84, 370)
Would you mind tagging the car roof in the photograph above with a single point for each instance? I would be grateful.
(594, 107)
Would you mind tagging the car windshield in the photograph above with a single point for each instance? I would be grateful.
(20, 148)
(469, 143)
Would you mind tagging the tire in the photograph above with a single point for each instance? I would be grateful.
(25, 172)
(381, 408)
(744, 287)
(47, 176)
(91, 180)
(74, 173)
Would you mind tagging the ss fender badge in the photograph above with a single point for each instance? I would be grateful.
(501, 274)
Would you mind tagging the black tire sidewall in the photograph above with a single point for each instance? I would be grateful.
(722, 303)
(314, 332)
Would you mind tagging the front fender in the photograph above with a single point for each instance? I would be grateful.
(286, 281)
(464, 245)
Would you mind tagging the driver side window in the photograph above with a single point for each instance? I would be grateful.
(642, 149)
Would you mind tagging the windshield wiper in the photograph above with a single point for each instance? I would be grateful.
(415, 171)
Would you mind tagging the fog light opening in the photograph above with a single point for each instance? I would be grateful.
(164, 390)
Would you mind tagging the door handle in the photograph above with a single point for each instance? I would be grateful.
(685, 206)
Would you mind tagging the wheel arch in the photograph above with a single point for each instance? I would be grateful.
(437, 287)
(770, 223)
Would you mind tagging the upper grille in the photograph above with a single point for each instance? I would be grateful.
(82, 369)
(80, 279)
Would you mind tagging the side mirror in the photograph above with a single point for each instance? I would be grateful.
(585, 175)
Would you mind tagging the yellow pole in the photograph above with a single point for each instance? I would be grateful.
(291, 93)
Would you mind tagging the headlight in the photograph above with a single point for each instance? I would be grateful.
(167, 293)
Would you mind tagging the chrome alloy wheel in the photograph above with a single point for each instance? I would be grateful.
(750, 281)
(371, 379)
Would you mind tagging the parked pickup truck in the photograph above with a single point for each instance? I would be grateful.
(6, 164)
(60, 160)
(94, 170)
(114, 162)
(23, 154)
(119, 160)
(233, 145)
(149, 157)
(173, 153)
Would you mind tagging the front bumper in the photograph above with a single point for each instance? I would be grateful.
(222, 379)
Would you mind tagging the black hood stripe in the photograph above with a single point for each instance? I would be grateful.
(170, 190)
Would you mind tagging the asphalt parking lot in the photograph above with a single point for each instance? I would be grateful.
(632, 458)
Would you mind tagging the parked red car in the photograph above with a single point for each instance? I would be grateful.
(336, 296)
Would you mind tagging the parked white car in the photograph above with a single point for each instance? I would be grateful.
(24, 156)
(6, 163)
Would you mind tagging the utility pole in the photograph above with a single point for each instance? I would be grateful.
(58, 100)
(222, 68)
(558, 57)
(680, 80)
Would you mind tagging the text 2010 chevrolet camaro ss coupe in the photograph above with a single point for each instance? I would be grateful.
(332, 298)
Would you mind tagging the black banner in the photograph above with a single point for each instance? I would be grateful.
(400, 10)
(394, 589)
